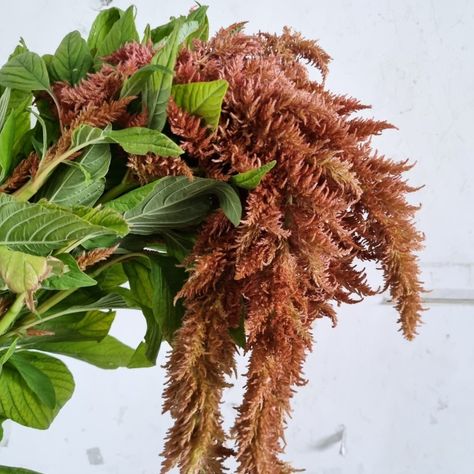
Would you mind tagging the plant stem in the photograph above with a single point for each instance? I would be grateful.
(58, 108)
(34, 184)
(9, 317)
(118, 190)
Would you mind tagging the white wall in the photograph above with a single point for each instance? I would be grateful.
(406, 408)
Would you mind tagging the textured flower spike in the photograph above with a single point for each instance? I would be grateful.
(328, 203)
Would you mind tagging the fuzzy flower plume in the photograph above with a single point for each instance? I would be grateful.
(329, 203)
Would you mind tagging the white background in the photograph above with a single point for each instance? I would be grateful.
(375, 404)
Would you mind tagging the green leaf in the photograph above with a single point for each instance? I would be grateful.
(195, 26)
(102, 26)
(7, 141)
(20, 103)
(72, 60)
(92, 325)
(140, 358)
(41, 147)
(85, 135)
(135, 140)
(111, 277)
(4, 101)
(203, 99)
(179, 244)
(79, 182)
(15, 470)
(26, 71)
(131, 199)
(122, 31)
(38, 382)
(20, 403)
(140, 141)
(87, 300)
(38, 229)
(109, 353)
(73, 277)
(142, 286)
(23, 273)
(175, 202)
(158, 88)
(136, 83)
(202, 32)
(104, 217)
(167, 280)
(6, 355)
(251, 179)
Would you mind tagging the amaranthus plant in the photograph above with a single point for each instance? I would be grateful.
(126, 163)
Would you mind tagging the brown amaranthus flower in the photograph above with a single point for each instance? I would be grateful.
(90, 258)
(329, 202)
(25, 170)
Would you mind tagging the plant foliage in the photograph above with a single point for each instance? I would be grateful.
(126, 163)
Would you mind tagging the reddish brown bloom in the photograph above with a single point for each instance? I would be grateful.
(26, 169)
(328, 203)
(87, 259)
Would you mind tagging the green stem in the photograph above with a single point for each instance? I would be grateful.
(34, 184)
(118, 190)
(58, 108)
(10, 316)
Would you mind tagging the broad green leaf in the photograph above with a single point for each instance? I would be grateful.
(89, 300)
(131, 199)
(167, 280)
(140, 358)
(73, 277)
(179, 244)
(202, 32)
(19, 48)
(20, 103)
(26, 71)
(85, 135)
(41, 147)
(38, 229)
(4, 101)
(176, 202)
(79, 182)
(109, 353)
(104, 217)
(158, 88)
(203, 99)
(122, 31)
(24, 273)
(198, 27)
(251, 179)
(140, 141)
(135, 83)
(15, 470)
(159, 33)
(6, 355)
(140, 277)
(19, 403)
(92, 325)
(7, 141)
(101, 27)
(135, 140)
(72, 60)
(38, 382)
(111, 277)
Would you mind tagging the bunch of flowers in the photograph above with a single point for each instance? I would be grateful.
(234, 194)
